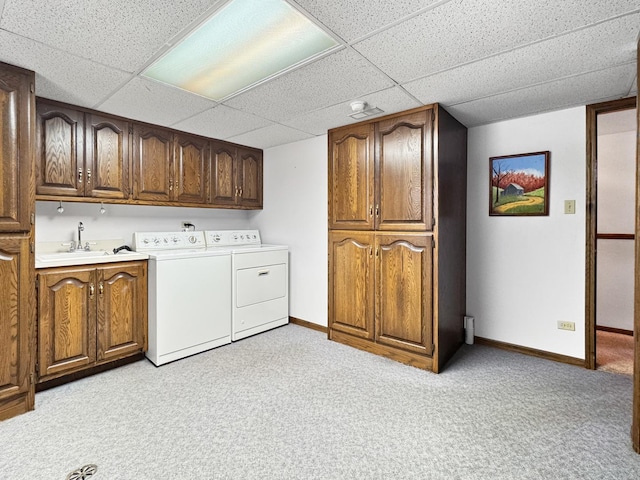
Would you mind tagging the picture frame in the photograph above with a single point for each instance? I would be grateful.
(519, 184)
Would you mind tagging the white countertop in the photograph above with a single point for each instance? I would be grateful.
(57, 254)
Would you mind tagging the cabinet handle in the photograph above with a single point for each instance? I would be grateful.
(240, 190)
(170, 185)
(370, 252)
(371, 210)
(88, 175)
(377, 251)
(377, 210)
(237, 190)
(92, 290)
(80, 175)
(100, 288)
(263, 272)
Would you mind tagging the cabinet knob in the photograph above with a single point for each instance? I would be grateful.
(88, 175)
(79, 175)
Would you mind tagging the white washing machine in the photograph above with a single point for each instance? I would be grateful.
(189, 294)
(260, 281)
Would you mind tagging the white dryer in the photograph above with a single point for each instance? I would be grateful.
(259, 281)
(189, 294)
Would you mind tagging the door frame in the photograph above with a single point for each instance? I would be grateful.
(591, 217)
(635, 426)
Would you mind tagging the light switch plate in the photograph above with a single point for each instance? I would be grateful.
(569, 206)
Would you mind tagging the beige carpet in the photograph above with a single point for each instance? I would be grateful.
(614, 352)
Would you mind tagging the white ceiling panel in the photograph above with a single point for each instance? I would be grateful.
(354, 19)
(270, 136)
(57, 71)
(119, 33)
(318, 122)
(342, 76)
(463, 31)
(565, 93)
(222, 122)
(152, 102)
(605, 45)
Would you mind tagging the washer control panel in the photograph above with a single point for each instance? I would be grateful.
(153, 241)
(225, 238)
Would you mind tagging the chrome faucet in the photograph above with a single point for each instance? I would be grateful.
(80, 230)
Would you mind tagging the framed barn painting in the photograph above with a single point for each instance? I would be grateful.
(519, 184)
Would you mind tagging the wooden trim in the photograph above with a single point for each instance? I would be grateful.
(591, 220)
(635, 425)
(61, 380)
(615, 236)
(555, 357)
(311, 325)
(621, 331)
(408, 358)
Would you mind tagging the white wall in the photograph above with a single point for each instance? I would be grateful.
(524, 274)
(120, 221)
(295, 214)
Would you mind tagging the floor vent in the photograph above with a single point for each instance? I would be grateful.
(83, 472)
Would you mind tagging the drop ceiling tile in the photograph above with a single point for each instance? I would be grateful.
(270, 136)
(458, 32)
(221, 122)
(341, 76)
(391, 100)
(579, 90)
(60, 75)
(353, 19)
(153, 102)
(118, 33)
(594, 48)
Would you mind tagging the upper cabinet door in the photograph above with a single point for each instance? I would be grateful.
(191, 160)
(16, 152)
(107, 157)
(404, 198)
(152, 163)
(249, 177)
(59, 151)
(351, 178)
(223, 173)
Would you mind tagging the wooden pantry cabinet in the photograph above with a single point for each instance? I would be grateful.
(90, 315)
(84, 155)
(397, 203)
(17, 208)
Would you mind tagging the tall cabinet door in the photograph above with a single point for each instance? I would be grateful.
(66, 320)
(351, 178)
(107, 157)
(60, 151)
(249, 177)
(191, 160)
(223, 173)
(16, 153)
(17, 318)
(405, 173)
(404, 313)
(152, 163)
(121, 310)
(351, 283)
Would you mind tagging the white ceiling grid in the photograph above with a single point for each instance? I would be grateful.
(484, 60)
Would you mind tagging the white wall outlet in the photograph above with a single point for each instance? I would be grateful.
(567, 325)
(569, 207)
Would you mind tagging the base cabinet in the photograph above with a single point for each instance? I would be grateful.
(88, 316)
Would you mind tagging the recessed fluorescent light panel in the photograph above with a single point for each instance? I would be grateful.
(242, 44)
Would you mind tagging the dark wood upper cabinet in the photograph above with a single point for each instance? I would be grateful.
(59, 151)
(16, 152)
(405, 173)
(249, 177)
(191, 163)
(223, 173)
(107, 157)
(152, 163)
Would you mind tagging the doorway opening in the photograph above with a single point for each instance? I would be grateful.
(611, 167)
